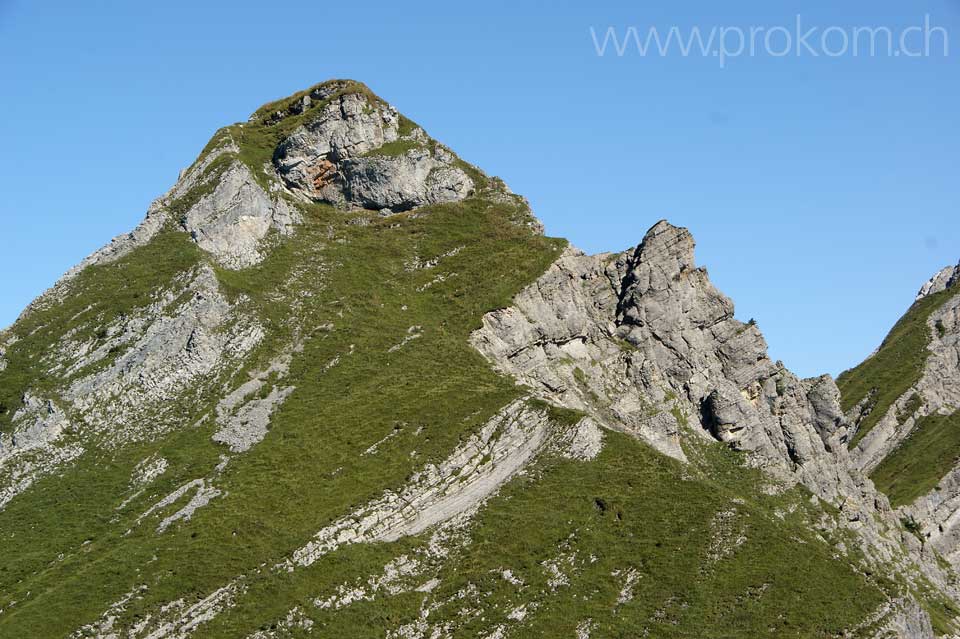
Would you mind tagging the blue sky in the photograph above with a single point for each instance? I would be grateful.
(822, 191)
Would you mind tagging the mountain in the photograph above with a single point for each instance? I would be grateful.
(338, 384)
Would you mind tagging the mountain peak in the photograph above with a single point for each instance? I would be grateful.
(945, 278)
(298, 102)
(667, 243)
(353, 150)
(335, 143)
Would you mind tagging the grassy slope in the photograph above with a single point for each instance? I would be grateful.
(66, 556)
(895, 367)
(287, 487)
(97, 296)
(634, 509)
(656, 519)
(933, 447)
(916, 466)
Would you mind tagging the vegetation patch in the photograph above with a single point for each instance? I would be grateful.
(703, 559)
(557, 414)
(894, 368)
(395, 148)
(917, 465)
(909, 409)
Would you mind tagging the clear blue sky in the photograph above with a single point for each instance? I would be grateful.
(822, 191)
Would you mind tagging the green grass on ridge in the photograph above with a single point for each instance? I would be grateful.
(712, 557)
(96, 296)
(309, 470)
(894, 368)
(930, 451)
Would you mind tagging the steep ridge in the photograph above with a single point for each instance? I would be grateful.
(337, 383)
(644, 343)
(904, 401)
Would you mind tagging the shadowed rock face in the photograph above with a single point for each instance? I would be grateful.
(339, 157)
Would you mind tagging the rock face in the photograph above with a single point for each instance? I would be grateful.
(355, 153)
(644, 342)
(165, 355)
(438, 494)
(232, 221)
(644, 339)
(169, 351)
(34, 448)
(946, 278)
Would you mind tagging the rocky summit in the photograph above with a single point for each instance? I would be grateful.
(338, 383)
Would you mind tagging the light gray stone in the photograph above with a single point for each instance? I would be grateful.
(944, 279)
(232, 221)
(330, 159)
(38, 423)
(459, 484)
(645, 344)
(165, 355)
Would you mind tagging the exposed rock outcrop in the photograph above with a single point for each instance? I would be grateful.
(244, 415)
(644, 342)
(39, 422)
(460, 484)
(164, 355)
(643, 339)
(34, 447)
(125, 383)
(944, 279)
(232, 221)
(356, 152)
